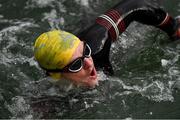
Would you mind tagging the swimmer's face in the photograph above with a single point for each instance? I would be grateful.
(87, 76)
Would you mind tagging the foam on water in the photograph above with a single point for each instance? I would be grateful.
(38, 3)
(53, 19)
(83, 2)
(156, 91)
(8, 39)
(19, 108)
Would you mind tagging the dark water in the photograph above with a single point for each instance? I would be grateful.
(147, 68)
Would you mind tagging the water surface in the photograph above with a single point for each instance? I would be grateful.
(147, 69)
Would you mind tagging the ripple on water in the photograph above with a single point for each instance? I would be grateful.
(48, 100)
(19, 108)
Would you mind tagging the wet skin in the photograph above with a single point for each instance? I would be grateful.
(87, 76)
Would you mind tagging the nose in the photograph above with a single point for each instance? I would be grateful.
(88, 62)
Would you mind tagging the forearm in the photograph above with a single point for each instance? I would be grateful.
(117, 19)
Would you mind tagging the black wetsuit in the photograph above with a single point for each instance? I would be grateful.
(110, 25)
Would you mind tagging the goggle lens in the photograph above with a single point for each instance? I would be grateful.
(77, 64)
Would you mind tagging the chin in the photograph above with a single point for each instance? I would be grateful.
(92, 83)
(89, 80)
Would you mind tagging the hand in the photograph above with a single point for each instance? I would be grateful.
(176, 35)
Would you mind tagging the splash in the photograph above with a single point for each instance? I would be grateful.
(19, 108)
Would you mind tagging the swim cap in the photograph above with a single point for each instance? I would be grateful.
(54, 49)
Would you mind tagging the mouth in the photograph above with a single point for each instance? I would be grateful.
(92, 80)
(93, 73)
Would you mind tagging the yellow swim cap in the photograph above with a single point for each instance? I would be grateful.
(54, 49)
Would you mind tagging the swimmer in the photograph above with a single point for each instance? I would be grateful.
(65, 56)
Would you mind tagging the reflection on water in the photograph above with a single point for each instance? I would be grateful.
(147, 77)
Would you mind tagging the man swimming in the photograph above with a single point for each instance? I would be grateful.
(76, 58)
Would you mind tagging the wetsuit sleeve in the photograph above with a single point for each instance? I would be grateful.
(148, 12)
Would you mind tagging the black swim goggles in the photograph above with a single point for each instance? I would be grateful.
(77, 64)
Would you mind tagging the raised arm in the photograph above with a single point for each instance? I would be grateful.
(148, 12)
(112, 23)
